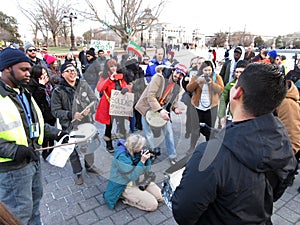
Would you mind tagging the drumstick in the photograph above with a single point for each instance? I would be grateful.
(86, 108)
(56, 146)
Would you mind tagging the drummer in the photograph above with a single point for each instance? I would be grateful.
(68, 101)
(161, 95)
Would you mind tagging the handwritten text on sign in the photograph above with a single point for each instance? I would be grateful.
(121, 105)
(106, 46)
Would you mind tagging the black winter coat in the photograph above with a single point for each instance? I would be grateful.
(39, 94)
(234, 188)
(67, 100)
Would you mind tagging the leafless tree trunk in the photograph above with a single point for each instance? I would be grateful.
(129, 16)
(47, 15)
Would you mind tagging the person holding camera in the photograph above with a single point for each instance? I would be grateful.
(206, 87)
(129, 163)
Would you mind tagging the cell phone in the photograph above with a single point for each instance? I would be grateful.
(118, 76)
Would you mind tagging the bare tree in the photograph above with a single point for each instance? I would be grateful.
(46, 16)
(129, 16)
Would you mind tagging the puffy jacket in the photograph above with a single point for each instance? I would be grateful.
(235, 188)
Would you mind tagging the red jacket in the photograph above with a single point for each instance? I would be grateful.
(105, 86)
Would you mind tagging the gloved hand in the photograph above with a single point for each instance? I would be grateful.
(124, 91)
(61, 134)
(27, 153)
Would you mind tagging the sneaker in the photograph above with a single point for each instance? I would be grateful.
(79, 179)
(173, 161)
(110, 150)
(93, 169)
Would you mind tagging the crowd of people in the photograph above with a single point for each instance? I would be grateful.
(250, 100)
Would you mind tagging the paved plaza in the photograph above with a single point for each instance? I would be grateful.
(65, 203)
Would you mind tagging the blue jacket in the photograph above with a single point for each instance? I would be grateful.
(124, 168)
(150, 70)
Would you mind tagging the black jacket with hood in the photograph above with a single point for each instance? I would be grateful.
(254, 157)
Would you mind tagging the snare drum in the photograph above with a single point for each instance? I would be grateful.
(88, 137)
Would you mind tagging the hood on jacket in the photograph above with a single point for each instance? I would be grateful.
(231, 53)
(264, 144)
(292, 92)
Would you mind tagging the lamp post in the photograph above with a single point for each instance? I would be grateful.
(142, 31)
(72, 16)
(162, 37)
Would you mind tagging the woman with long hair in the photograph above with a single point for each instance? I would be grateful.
(110, 80)
(206, 87)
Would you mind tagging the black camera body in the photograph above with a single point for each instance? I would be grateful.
(207, 78)
(155, 152)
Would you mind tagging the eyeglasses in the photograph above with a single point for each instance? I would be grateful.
(70, 71)
(31, 50)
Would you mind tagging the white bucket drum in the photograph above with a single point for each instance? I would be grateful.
(88, 137)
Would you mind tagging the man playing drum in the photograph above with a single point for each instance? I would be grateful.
(68, 102)
(161, 96)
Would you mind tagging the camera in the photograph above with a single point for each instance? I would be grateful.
(207, 78)
(155, 151)
(118, 76)
(148, 177)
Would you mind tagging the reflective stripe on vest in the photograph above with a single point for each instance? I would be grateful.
(11, 126)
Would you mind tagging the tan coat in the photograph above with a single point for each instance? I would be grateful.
(289, 113)
(152, 94)
(215, 90)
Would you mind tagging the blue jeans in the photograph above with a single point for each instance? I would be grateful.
(169, 137)
(21, 191)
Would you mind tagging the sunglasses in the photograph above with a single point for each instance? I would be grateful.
(31, 50)
(70, 71)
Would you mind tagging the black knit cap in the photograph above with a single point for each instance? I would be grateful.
(65, 66)
(11, 56)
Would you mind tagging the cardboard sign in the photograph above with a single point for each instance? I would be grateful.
(121, 105)
(106, 46)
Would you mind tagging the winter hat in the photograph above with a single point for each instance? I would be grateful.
(180, 68)
(50, 59)
(91, 52)
(131, 61)
(272, 54)
(65, 66)
(28, 45)
(10, 57)
(238, 49)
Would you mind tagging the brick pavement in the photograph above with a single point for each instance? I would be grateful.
(65, 203)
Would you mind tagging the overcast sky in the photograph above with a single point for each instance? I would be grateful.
(260, 17)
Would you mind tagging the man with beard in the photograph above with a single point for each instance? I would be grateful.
(22, 130)
(235, 177)
(161, 95)
(30, 51)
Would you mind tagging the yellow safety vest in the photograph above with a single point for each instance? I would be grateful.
(11, 126)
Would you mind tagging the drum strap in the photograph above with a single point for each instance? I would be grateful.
(106, 96)
(175, 91)
(167, 91)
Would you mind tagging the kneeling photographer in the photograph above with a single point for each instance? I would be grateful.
(129, 163)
